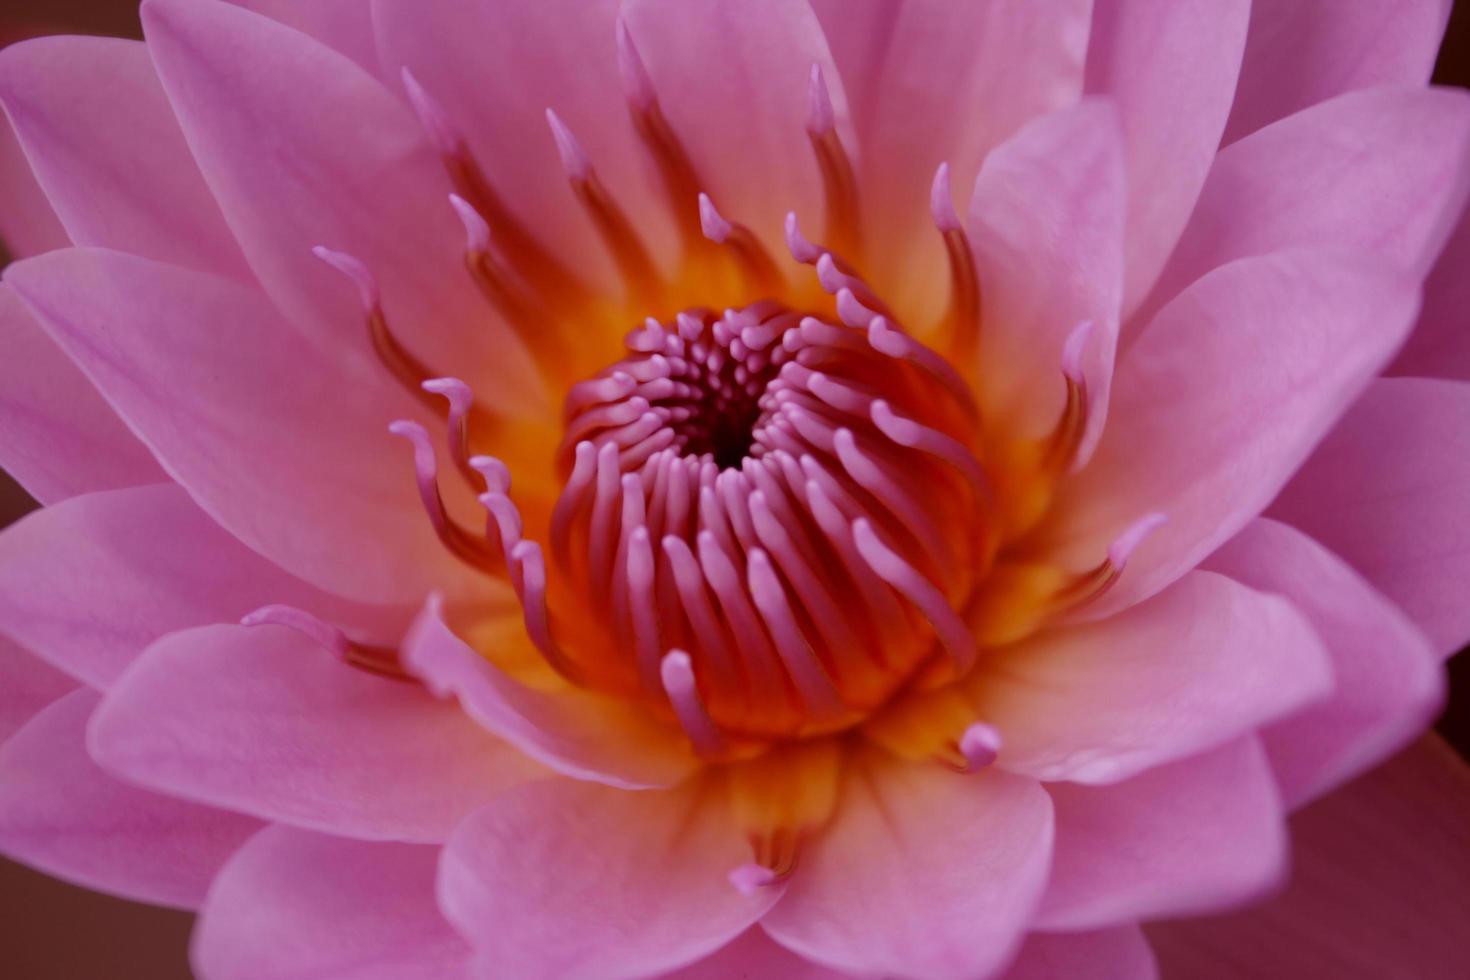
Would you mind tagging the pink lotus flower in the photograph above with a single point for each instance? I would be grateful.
(862, 583)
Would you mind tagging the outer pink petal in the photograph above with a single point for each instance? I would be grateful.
(751, 955)
(285, 447)
(1112, 954)
(107, 148)
(922, 872)
(343, 25)
(296, 905)
(732, 79)
(1200, 664)
(302, 148)
(1386, 491)
(1171, 68)
(579, 734)
(1383, 173)
(1198, 835)
(30, 685)
(1381, 887)
(496, 66)
(936, 82)
(28, 225)
(1301, 52)
(1222, 399)
(1046, 223)
(264, 721)
(92, 581)
(1439, 347)
(58, 438)
(61, 814)
(1388, 684)
(568, 879)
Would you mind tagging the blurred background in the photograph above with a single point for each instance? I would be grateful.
(50, 930)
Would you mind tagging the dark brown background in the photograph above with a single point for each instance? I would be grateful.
(52, 930)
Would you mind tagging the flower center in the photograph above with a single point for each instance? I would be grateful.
(771, 518)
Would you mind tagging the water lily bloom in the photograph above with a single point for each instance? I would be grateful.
(568, 488)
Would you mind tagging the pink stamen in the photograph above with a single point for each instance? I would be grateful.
(676, 671)
(323, 634)
(980, 745)
(948, 626)
(749, 879)
(573, 158)
(802, 666)
(941, 202)
(819, 117)
(432, 117)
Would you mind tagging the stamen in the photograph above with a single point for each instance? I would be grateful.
(460, 398)
(1090, 585)
(749, 879)
(838, 183)
(980, 745)
(1066, 437)
(531, 573)
(802, 666)
(681, 181)
(617, 232)
(801, 250)
(962, 324)
(376, 660)
(409, 370)
(677, 673)
(756, 264)
(467, 548)
(948, 625)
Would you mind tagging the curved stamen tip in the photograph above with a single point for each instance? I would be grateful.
(819, 118)
(690, 327)
(455, 390)
(797, 244)
(1073, 350)
(749, 879)
(828, 275)
(941, 201)
(1127, 542)
(423, 449)
(353, 269)
(431, 115)
(476, 230)
(303, 622)
(495, 472)
(852, 312)
(636, 84)
(980, 744)
(714, 226)
(573, 158)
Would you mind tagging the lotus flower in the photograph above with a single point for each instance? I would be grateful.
(540, 488)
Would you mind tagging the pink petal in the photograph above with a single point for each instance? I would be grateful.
(753, 954)
(732, 80)
(579, 734)
(1112, 954)
(1388, 684)
(342, 164)
(95, 579)
(62, 815)
(1046, 222)
(30, 685)
(566, 878)
(262, 720)
(1286, 341)
(1200, 664)
(310, 463)
(343, 25)
(929, 83)
(1386, 491)
(108, 151)
(28, 224)
(1201, 834)
(922, 872)
(58, 438)
(1301, 52)
(296, 905)
(1439, 347)
(1381, 886)
(1171, 68)
(1381, 173)
(495, 66)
